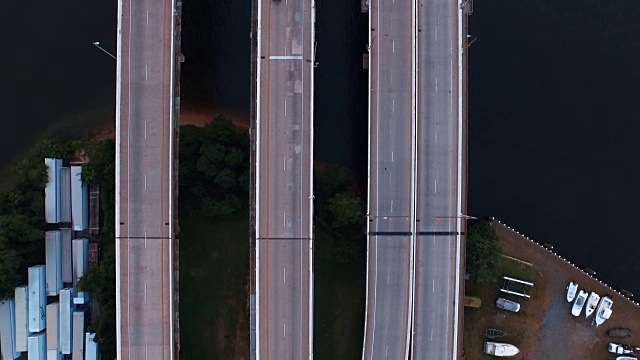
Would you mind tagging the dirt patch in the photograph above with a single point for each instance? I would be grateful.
(201, 117)
(548, 330)
(521, 328)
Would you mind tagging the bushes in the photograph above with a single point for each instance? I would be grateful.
(22, 213)
(483, 253)
(214, 168)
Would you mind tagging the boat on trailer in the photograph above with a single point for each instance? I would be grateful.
(572, 289)
(603, 312)
(578, 304)
(500, 349)
(592, 303)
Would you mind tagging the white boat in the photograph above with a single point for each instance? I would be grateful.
(579, 303)
(572, 289)
(592, 303)
(603, 312)
(500, 349)
(624, 357)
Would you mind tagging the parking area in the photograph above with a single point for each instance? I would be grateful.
(544, 327)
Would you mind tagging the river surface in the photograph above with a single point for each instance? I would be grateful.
(55, 80)
(553, 108)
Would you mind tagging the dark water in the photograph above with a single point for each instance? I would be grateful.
(553, 104)
(215, 75)
(54, 79)
(215, 43)
(554, 113)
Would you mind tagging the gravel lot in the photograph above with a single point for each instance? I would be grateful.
(560, 335)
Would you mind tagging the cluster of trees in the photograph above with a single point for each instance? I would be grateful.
(22, 221)
(339, 207)
(100, 281)
(483, 252)
(214, 168)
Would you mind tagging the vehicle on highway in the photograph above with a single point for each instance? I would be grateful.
(592, 302)
(579, 303)
(508, 305)
(619, 332)
(572, 289)
(618, 349)
(603, 312)
(500, 349)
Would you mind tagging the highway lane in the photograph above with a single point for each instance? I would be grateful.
(143, 180)
(437, 184)
(391, 175)
(284, 176)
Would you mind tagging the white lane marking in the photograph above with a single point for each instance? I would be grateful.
(434, 285)
(392, 156)
(285, 49)
(284, 219)
(145, 239)
(285, 108)
(435, 186)
(393, 45)
(147, 17)
(146, 351)
(285, 57)
(145, 293)
(436, 85)
(284, 163)
(436, 33)
(393, 105)
(386, 351)
(431, 334)
(392, 206)
(436, 135)
(145, 182)
(146, 72)
(145, 129)
(284, 274)
(284, 329)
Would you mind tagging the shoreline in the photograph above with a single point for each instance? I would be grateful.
(545, 317)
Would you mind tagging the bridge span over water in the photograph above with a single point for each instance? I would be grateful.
(147, 108)
(417, 179)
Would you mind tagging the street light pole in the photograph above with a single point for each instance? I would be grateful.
(472, 40)
(97, 44)
(461, 216)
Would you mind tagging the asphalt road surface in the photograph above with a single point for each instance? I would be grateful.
(437, 185)
(390, 172)
(284, 176)
(143, 187)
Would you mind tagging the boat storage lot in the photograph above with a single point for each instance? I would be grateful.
(553, 333)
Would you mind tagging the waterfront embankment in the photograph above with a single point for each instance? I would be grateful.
(544, 328)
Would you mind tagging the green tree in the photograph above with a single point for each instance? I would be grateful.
(9, 263)
(331, 180)
(345, 209)
(483, 253)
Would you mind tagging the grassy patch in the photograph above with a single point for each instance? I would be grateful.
(488, 316)
(339, 300)
(214, 261)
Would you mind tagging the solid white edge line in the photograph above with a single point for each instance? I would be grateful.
(257, 191)
(117, 180)
(366, 298)
(312, 65)
(129, 176)
(172, 125)
(459, 202)
(414, 164)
